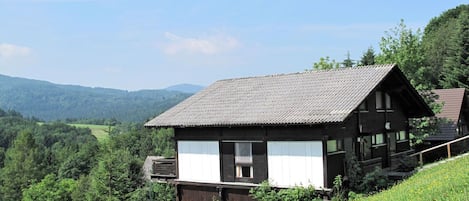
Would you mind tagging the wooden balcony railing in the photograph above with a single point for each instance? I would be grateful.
(448, 148)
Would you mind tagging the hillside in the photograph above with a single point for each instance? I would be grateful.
(49, 101)
(447, 181)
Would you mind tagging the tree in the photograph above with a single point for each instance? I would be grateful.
(24, 166)
(325, 64)
(50, 189)
(438, 41)
(368, 57)
(117, 175)
(404, 47)
(456, 65)
(347, 61)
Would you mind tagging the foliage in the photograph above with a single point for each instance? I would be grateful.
(404, 47)
(368, 57)
(117, 175)
(265, 192)
(50, 189)
(348, 62)
(338, 189)
(325, 64)
(425, 126)
(374, 181)
(447, 181)
(438, 40)
(456, 65)
(143, 142)
(24, 164)
(354, 172)
(154, 191)
(49, 101)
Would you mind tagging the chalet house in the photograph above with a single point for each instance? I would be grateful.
(455, 113)
(290, 129)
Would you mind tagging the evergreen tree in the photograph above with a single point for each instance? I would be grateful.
(438, 42)
(23, 166)
(348, 62)
(368, 57)
(117, 175)
(456, 65)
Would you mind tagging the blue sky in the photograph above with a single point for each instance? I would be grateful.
(153, 44)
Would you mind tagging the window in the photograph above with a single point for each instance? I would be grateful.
(388, 101)
(363, 107)
(243, 159)
(379, 100)
(381, 103)
(377, 139)
(335, 146)
(400, 136)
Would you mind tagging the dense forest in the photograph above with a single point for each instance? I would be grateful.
(55, 161)
(48, 101)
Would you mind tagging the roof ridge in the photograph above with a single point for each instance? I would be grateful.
(312, 71)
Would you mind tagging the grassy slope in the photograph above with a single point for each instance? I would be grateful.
(99, 131)
(447, 181)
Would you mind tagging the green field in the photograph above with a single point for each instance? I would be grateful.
(446, 181)
(99, 131)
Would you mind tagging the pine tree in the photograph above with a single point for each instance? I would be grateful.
(348, 62)
(23, 166)
(456, 66)
(368, 57)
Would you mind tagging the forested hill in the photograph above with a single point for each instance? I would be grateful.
(49, 101)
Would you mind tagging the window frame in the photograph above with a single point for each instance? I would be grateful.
(339, 146)
(399, 136)
(241, 165)
(374, 139)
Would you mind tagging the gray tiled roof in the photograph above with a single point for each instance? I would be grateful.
(302, 98)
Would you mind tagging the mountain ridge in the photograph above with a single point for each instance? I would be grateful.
(48, 101)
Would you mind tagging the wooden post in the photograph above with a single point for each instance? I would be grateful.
(421, 158)
(448, 148)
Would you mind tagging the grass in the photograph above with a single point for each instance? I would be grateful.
(99, 131)
(446, 181)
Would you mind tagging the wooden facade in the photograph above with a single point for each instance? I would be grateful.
(293, 153)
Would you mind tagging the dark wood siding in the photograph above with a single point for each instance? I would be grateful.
(228, 169)
(335, 166)
(259, 160)
(231, 194)
(195, 193)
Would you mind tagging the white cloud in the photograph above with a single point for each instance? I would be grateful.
(209, 45)
(9, 50)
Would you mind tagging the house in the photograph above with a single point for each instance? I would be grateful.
(455, 113)
(290, 129)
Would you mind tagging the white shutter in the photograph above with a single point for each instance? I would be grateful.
(295, 163)
(198, 161)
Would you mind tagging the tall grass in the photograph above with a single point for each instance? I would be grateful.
(447, 181)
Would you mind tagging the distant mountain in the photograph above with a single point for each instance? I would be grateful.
(49, 101)
(185, 88)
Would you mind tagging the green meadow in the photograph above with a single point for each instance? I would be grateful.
(99, 131)
(445, 181)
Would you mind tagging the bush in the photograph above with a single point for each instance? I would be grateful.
(374, 181)
(265, 192)
(354, 172)
(154, 191)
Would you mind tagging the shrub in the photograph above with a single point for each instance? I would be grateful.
(374, 181)
(265, 192)
(354, 172)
